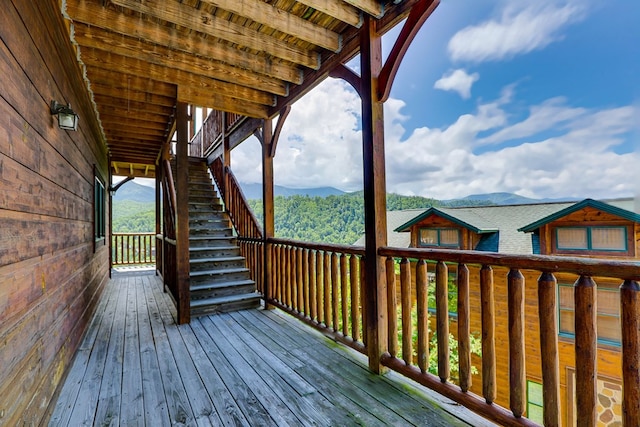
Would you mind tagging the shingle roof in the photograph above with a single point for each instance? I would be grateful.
(499, 225)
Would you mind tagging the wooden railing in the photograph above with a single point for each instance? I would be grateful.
(320, 284)
(475, 274)
(240, 213)
(211, 131)
(133, 249)
(253, 251)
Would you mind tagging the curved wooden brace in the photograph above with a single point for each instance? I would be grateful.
(276, 133)
(347, 74)
(418, 15)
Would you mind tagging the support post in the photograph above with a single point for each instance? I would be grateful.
(159, 249)
(375, 218)
(226, 161)
(267, 203)
(182, 214)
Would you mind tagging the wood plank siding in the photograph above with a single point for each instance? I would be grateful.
(253, 367)
(51, 276)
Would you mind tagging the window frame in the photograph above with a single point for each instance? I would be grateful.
(438, 244)
(570, 335)
(99, 210)
(589, 249)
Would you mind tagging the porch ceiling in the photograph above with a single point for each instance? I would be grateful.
(250, 57)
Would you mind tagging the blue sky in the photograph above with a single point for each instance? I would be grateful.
(539, 98)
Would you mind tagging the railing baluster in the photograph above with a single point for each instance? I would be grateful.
(327, 289)
(290, 260)
(517, 378)
(363, 308)
(422, 283)
(392, 307)
(313, 301)
(355, 297)
(305, 282)
(405, 301)
(630, 322)
(442, 319)
(488, 334)
(300, 300)
(464, 328)
(335, 290)
(282, 288)
(344, 294)
(586, 351)
(548, 312)
(320, 285)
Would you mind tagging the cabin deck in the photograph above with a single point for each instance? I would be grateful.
(255, 367)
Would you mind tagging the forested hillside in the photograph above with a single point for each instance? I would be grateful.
(333, 219)
(130, 216)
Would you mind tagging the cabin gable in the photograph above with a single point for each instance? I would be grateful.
(468, 239)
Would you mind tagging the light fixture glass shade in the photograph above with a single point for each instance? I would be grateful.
(67, 118)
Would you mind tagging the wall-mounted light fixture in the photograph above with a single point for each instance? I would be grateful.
(67, 118)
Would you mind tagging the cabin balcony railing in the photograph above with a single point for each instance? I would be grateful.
(322, 285)
(130, 249)
(511, 309)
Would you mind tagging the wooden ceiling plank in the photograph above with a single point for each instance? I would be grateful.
(93, 14)
(158, 55)
(132, 83)
(131, 104)
(186, 16)
(215, 101)
(372, 7)
(109, 61)
(280, 20)
(337, 9)
(119, 114)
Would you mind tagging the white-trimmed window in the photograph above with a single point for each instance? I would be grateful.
(592, 238)
(439, 237)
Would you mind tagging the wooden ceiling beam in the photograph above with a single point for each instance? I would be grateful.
(111, 120)
(287, 23)
(120, 84)
(131, 104)
(131, 129)
(372, 7)
(212, 100)
(161, 56)
(91, 12)
(110, 61)
(189, 17)
(121, 115)
(337, 9)
(126, 158)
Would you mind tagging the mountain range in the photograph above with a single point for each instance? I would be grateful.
(142, 193)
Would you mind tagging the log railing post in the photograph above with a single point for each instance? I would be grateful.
(630, 321)
(517, 374)
(405, 302)
(392, 301)
(548, 317)
(442, 319)
(464, 328)
(422, 283)
(586, 351)
(488, 334)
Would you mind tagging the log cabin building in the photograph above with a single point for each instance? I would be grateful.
(588, 228)
(96, 88)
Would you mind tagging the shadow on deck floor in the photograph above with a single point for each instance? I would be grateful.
(135, 366)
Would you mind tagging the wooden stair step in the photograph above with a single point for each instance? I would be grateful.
(217, 259)
(219, 272)
(219, 285)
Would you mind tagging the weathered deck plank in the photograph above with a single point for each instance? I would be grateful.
(249, 368)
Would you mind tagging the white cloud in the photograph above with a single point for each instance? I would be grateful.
(321, 146)
(522, 27)
(459, 81)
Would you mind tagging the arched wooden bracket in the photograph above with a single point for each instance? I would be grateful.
(258, 134)
(347, 74)
(276, 133)
(114, 188)
(418, 15)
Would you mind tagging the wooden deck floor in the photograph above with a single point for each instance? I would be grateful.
(258, 368)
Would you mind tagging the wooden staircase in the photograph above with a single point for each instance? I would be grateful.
(219, 278)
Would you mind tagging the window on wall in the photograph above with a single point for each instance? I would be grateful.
(608, 315)
(99, 209)
(441, 237)
(599, 239)
(534, 402)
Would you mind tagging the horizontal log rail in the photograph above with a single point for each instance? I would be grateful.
(410, 357)
(320, 284)
(133, 249)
